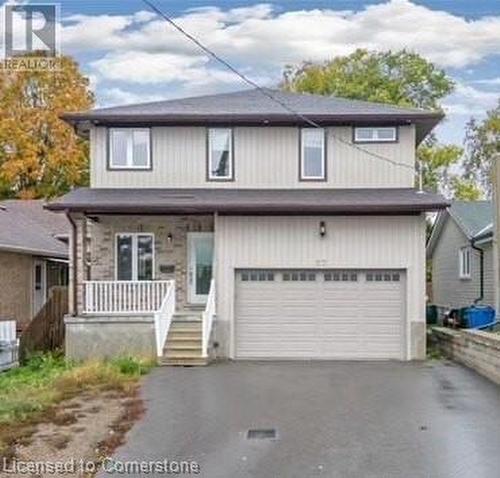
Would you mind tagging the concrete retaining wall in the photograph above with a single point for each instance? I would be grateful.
(109, 337)
(475, 349)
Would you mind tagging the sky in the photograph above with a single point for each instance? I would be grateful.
(131, 55)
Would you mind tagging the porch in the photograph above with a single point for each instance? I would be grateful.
(145, 280)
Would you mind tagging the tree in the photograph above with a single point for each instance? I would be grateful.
(482, 145)
(400, 78)
(40, 155)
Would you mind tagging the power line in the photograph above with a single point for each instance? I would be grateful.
(264, 91)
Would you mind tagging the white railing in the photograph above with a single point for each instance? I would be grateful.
(163, 318)
(116, 297)
(208, 319)
(9, 345)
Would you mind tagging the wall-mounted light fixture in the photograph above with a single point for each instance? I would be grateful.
(322, 228)
(169, 238)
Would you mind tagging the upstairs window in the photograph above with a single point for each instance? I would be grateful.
(376, 135)
(464, 262)
(312, 154)
(129, 148)
(220, 154)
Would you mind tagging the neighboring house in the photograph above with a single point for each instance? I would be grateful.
(33, 257)
(307, 242)
(461, 235)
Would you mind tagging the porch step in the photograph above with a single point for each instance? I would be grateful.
(187, 316)
(184, 362)
(184, 341)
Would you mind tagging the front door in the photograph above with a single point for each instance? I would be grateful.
(39, 285)
(200, 261)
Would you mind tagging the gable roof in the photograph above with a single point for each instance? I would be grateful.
(474, 218)
(253, 107)
(26, 227)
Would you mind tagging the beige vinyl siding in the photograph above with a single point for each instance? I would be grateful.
(264, 157)
(447, 287)
(357, 242)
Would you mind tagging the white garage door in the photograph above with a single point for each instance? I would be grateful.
(327, 314)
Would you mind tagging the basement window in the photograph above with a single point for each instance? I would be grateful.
(464, 263)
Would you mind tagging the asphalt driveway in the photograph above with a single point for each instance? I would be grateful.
(333, 419)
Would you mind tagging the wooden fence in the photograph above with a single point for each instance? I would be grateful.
(46, 331)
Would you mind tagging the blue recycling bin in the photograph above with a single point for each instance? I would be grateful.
(479, 317)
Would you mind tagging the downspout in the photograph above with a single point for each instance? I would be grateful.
(74, 260)
(481, 270)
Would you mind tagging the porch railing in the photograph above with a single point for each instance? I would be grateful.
(163, 318)
(208, 318)
(116, 297)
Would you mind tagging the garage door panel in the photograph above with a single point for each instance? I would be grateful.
(332, 317)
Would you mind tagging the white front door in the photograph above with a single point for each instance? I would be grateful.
(200, 261)
(39, 285)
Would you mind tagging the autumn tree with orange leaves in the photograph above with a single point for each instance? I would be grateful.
(40, 155)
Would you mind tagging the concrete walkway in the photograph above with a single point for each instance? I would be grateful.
(333, 419)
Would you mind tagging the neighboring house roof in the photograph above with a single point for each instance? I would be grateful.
(248, 201)
(26, 227)
(474, 218)
(252, 107)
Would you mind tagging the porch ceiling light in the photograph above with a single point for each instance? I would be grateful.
(169, 237)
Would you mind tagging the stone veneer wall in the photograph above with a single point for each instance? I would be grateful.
(473, 348)
(174, 253)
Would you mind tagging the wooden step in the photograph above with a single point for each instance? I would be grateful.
(189, 346)
(183, 334)
(191, 362)
(182, 353)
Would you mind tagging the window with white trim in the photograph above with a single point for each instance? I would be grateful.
(134, 256)
(220, 154)
(464, 260)
(312, 154)
(375, 134)
(129, 148)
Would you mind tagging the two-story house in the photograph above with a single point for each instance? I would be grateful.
(230, 225)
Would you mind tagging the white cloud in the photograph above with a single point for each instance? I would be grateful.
(488, 81)
(260, 36)
(468, 101)
(118, 96)
(150, 68)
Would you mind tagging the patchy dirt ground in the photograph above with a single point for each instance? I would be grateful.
(86, 428)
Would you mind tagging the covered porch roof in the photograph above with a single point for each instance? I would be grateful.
(248, 201)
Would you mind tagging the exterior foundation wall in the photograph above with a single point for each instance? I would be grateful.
(110, 337)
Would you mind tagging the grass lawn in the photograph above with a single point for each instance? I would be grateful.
(29, 394)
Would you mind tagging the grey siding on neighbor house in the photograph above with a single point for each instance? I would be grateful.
(355, 242)
(447, 287)
(264, 157)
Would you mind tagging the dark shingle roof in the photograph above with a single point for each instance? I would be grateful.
(26, 227)
(249, 201)
(474, 217)
(254, 107)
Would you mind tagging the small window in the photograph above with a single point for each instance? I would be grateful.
(134, 257)
(220, 154)
(375, 135)
(465, 263)
(312, 157)
(129, 148)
